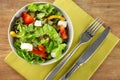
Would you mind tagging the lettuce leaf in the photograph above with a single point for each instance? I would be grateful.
(33, 7)
(47, 9)
(53, 34)
(58, 50)
(40, 15)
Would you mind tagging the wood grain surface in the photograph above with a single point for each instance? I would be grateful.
(108, 10)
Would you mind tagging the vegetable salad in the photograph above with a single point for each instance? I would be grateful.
(40, 33)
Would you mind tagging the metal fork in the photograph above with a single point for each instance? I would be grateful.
(85, 37)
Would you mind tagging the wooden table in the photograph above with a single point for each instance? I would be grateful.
(108, 10)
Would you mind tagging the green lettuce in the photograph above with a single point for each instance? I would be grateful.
(47, 9)
(53, 34)
(58, 50)
(33, 7)
(40, 15)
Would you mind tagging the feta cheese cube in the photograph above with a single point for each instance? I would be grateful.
(27, 46)
(53, 54)
(63, 23)
(38, 23)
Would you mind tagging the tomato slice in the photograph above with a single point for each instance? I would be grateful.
(38, 52)
(63, 32)
(42, 48)
(27, 18)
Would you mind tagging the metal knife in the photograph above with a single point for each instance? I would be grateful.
(87, 54)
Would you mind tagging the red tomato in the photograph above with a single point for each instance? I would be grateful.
(63, 32)
(27, 18)
(42, 48)
(38, 52)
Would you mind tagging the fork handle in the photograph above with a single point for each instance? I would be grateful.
(62, 63)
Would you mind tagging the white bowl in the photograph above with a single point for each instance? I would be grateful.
(70, 31)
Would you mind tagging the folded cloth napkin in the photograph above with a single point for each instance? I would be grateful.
(80, 20)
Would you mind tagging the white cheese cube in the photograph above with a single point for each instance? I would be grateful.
(27, 46)
(38, 23)
(63, 23)
(53, 54)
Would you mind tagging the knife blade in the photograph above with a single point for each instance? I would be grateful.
(87, 54)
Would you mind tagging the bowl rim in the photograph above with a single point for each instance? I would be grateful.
(64, 14)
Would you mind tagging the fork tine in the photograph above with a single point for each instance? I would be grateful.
(99, 26)
(96, 27)
(92, 25)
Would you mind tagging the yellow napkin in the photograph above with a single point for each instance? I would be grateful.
(80, 20)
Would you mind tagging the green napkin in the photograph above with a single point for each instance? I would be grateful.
(80, 20)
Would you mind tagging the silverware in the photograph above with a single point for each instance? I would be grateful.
(86, 36)
(87, 54)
